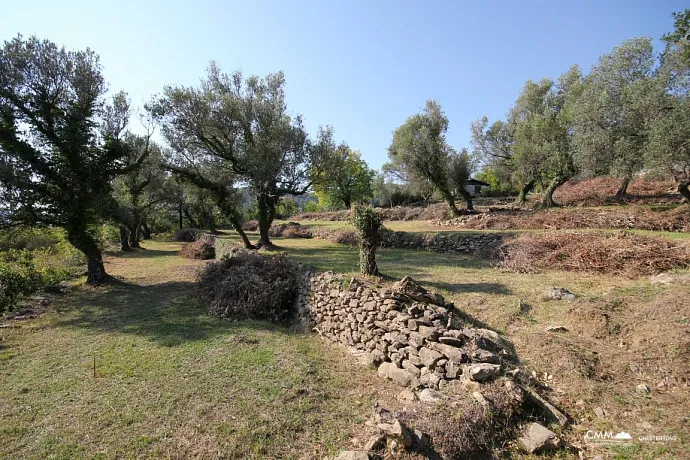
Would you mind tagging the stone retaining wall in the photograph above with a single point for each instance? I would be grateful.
(409, 333)
(457, 242)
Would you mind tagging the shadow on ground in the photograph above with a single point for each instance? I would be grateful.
(485, 288)
(166, 313)
(142, 253)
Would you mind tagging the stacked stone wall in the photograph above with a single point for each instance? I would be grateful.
(409, 333)
(457, 242)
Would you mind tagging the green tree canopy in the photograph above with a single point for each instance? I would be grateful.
(347, 179)
(419, 151)
(60, 144)
(241, 125)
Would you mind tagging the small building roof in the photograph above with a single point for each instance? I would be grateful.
(477, 182)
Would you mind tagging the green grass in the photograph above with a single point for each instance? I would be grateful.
(175, 382)
(172, 381)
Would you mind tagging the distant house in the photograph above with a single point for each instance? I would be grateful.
(474, 186)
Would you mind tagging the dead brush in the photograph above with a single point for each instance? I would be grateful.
(336, 235)
(617, 254)
(466, 429)
(204, 249)
(249, 284)
(289, 230)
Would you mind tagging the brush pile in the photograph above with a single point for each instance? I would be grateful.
(617, 254)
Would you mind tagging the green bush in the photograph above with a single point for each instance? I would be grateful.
(20, 277)
(108, 235)
(311, 206)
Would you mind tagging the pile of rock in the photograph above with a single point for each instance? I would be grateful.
(407, 331)
(410, 334)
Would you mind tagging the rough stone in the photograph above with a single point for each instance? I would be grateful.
(398, 432)
(375, 443)
(429, 357)
(538, 439)
(352, 455)
(642, 388)
(559, 293)
(452, 341)
(428, 395)
(429, 333)
(484, 371)
(393, 372)
(484, 356)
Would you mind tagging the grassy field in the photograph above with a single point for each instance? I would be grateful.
(172, 381)
(176, 383)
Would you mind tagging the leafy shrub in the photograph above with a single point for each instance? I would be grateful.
(204, 249)
(287, 207)
(187, 235)
(311, 206)
(250, 284)
(109, 235)
(20, 278)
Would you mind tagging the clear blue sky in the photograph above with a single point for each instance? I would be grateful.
(361, 66)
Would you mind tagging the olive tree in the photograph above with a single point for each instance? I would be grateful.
(242, 126)
(139, 190)
(613, 111)
(420, 152)
(346, 178)
(368, 230)
(60, 145)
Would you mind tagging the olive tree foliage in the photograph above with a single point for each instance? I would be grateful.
(493, 146)
(368, 230)
(679, 40)
(139, 190)
(419, 151)
(543, 147)
(617, 102)
(667, 152)
(60, 142)
(346, 178)
(461, 165)
(241, 126)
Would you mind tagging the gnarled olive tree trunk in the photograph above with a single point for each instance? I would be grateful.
(267, 213)
(80, 238)
(524, 191)
(623, 187)
(368, 228)
(124, 239)
(367, 258)
(684, 189)
(547, 201)
(450, 201)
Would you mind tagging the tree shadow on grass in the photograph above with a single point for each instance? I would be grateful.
(143, 253)
(486, 288)
(166, 313)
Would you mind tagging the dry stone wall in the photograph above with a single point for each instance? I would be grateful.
(409, 333)
(457, 242)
